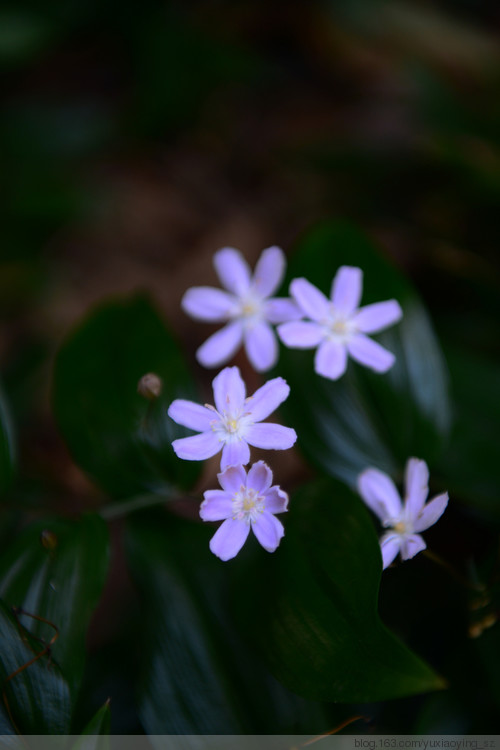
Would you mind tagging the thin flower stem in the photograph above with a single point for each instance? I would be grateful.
(117, 510)
(451, 570)
(337, 729)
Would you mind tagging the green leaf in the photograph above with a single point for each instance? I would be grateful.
(37, 697)
(95, 736)
(183, 689)
(7, 448)
(312, 607)
(367, 418)
(199, 676)
(56, 570)
(122, 439)
(470, 468)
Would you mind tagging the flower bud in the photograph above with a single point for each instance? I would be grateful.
(150, 386)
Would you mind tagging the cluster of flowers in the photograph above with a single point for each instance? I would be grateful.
(336, 328)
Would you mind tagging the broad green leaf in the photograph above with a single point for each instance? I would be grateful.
(119, 437)
(469, 467)
(183, 690)
(95, 736)
(56, 570)
(312, 607)
(199, 676)
(367, 419)
(36, 699)
(7, 449)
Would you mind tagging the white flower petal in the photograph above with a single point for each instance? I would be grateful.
(229, 391)
(232, 270)
(269, 271)
(271, 436)
(412, 545)
(268, 530)
(390, 544)
(191, 415)
(376, 317)
(330, 360)
(232, 478)
(346, 290)
(229, 539)
(207, 303)
(217, 506)
(309, 298)
(220, 347)
(431, 512)
(197, 447)
(367, 352)
(235, 453)
(416, 485)
(261, 346)
(276, 500)
(267, 398)
(260, 477)
(380, 494)
(300, 334)
(281, 309)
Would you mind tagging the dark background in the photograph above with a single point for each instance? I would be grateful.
(139, 137)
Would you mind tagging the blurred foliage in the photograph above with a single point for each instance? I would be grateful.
(385, 114)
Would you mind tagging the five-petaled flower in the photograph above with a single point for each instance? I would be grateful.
(234, 423)
(404, 519)
(245, 502)
(245, 308)
(338, 326)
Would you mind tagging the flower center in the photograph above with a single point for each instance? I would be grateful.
(400, 527)
(230, 427)
(247, 505)
(337, 327)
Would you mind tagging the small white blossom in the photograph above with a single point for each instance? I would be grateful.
(338, 326)
(246, 308)
(407, 519)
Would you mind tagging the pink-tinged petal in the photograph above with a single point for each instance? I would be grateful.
(191, 415)
(309, 298)
(229, 539)
(380, 494)
(390, 544)
(221, 346)
(229, 391)
(271, 436)
(197, 447)
(267, 398)
(207, 303)
(269, 531)
(330, 360)
(380, 315)
(346, 289)
(276, 500)
(367, 352)
(431, 512)
(260, 477)
(281, 309)
(232, 478)
(261, 346)
(232, 270)
(234, 454)
(416, 485)
(269, 271)
(217, 506)
(411, 546)
(300, 334)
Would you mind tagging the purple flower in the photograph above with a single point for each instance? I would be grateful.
(245, 308)
(338, 326)
(405, 520)
(244, 503)
(234, 423)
